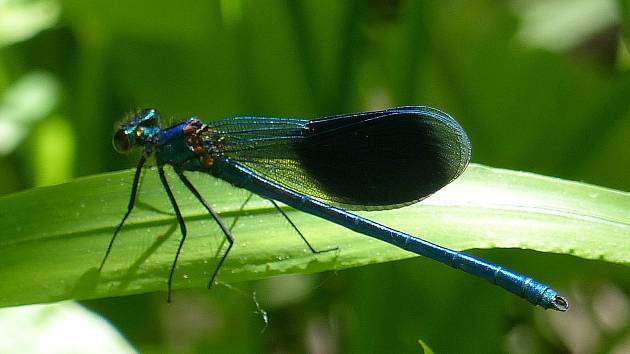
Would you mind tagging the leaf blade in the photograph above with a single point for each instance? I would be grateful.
(54, 237)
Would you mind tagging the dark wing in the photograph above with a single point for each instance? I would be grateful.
(364, 161)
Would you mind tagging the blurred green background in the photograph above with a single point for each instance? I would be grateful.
(540, 86)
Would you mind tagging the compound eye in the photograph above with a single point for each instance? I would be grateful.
(121, 141)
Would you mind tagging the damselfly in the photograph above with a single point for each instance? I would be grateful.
(361, 161)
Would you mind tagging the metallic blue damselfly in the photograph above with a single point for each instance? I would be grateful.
(361, 161)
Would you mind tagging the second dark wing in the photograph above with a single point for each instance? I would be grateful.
(363, 161)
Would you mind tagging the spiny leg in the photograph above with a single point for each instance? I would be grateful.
(313, 250)
(132, 202)
(182, 226)
(216, 217)
(235, 220)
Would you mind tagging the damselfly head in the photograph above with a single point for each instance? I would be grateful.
(138, 131)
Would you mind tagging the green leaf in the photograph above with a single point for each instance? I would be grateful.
(425, 348)
(21, 20)
(65, 327)
(55, 237)
(27, 101)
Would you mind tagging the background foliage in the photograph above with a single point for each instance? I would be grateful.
(541, 86)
